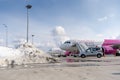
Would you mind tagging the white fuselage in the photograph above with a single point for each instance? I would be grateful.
(70, 45)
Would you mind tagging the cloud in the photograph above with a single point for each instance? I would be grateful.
(45, 45)
(59, 31)
(20, 41)
(59, 35)
(103, 18)
(86, 33)
(112, 15)
(111, 32)
(100, 35)
(118, 37)
(17, 42)
(1, 41)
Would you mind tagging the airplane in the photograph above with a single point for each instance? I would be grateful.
(70, 46)
(109, 46)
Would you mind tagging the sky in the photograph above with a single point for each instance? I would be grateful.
(54, 21)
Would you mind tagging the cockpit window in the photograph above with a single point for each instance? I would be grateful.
(67, 42)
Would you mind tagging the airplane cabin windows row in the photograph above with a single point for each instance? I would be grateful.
(67, 42)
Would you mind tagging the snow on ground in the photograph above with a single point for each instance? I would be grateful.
(8, 54)
(24, 54)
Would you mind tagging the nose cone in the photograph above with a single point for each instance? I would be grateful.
(62, 46)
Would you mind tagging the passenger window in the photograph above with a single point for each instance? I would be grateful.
(67, 42)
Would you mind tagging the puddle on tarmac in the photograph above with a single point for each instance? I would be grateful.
(85, 60)
(78, 65)
(116, 73)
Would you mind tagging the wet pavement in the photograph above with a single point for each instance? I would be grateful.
(116, 73)
(106, 68)
(73, 62)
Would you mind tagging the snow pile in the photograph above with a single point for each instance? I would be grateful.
(8, 54)
(34, 55)
(25, 54)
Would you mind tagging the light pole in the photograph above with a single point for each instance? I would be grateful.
(28, 7)
(32, 38)
(6, 34)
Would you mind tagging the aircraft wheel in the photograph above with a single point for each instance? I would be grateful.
(59, 55)
(75, 56)
(83, 56)
(117, 54)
